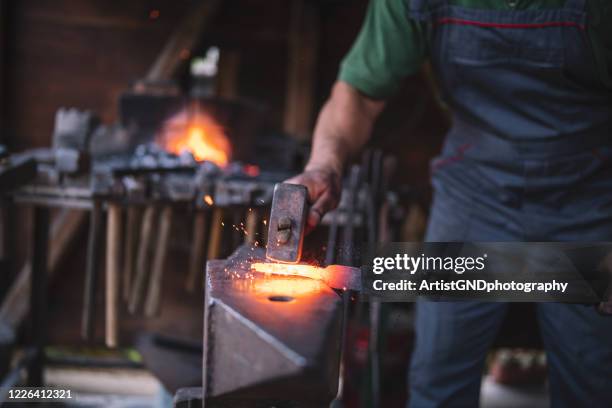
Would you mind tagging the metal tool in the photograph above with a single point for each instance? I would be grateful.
(287, 223)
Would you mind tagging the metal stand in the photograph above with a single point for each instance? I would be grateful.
(38, 295)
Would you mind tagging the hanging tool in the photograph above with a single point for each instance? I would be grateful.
(113, 253)
(153, 300)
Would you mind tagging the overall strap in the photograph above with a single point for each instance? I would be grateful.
(576, 5)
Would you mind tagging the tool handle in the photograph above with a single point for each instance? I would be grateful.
(113, 252)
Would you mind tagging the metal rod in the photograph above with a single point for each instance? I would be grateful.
(349, 228)
(38, 294)
(374, 352)
(332, 239)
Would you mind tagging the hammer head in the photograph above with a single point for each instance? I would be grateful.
(287, 223)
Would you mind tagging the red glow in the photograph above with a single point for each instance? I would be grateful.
(251, 170)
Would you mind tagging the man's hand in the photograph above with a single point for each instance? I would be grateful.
(324, 189)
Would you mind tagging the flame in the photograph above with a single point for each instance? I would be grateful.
(197, 133)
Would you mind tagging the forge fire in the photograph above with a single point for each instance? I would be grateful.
(197, 133)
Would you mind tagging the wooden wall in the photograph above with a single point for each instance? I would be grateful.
(80, 53)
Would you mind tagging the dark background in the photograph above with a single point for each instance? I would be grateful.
(85, 53)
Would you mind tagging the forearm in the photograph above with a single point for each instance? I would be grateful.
(343, 127)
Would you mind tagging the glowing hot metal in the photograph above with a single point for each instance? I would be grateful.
(335, 276)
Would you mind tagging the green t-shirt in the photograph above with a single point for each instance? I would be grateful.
(390, 46)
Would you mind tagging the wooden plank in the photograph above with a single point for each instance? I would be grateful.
(227, 78)
(303, 56)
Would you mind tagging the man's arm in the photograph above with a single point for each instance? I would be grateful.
(388, 48)
(343, 127)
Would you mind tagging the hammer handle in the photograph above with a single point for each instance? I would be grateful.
(131, 238)
(157, 274)
(214, 245)
(91, 271)
(142, 261)
(196, 263)
(113, 252)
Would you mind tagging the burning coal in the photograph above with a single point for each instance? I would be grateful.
(198, 133)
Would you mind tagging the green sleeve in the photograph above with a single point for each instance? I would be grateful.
(389, 47)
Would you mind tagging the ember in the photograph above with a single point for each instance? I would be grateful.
(198, 134)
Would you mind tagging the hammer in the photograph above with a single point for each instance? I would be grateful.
(286, 238)
(287, 223)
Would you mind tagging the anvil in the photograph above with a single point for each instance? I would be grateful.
(269, 338)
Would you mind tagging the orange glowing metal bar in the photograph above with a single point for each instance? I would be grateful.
(336, 276)
(306, 271)
(288, 287)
